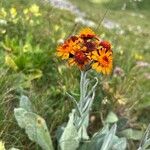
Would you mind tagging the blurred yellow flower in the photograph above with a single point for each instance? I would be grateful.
(27, 47)
(120, 98)
(138, 56)
(34, 9)
(13, 12)
(3, 31)
(87, 32)
(3, 13)
(2, 147)
(31, 22)
(25, 11)
(10, 62)
(121, 52)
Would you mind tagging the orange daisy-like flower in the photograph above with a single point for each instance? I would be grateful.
(74, 50)
(105, 44)
(87, 33)
(86, 50)
(69, 47)
(102, 61)
(80, 59)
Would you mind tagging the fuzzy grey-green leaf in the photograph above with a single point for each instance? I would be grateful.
(25, 103)
(97, 139)
(35, 127)
(132, 134)
(69, 139)
(119, 144)
(82, 133)
(111, 117)
(13, 148)
(19, 115)
(107, 143)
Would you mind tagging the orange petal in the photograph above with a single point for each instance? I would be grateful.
(59, 54)
(65, 56)
(95, 65)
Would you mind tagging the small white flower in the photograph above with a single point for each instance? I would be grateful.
(142, 64)
(60, 41)
(3, 22)
(120, 32)
(79, 20)
(147, 76)
(85, 22)
(110, 24)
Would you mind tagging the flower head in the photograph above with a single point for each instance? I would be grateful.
(105, 44)
(69, 47)
(2, 147)
(102, 61)
(87, 33)
(13, 12)
(85, 50)
(34, 9)
(3, 13)
(80, 59)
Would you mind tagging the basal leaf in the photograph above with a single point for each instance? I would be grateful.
(111, 117)
(25, 103)
(119, 144)
(69, 139)
(35, 127)
(107, 143)
(132, 134)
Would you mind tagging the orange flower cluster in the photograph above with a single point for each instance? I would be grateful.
(86, 50)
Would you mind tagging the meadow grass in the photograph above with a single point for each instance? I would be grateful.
(32, 68)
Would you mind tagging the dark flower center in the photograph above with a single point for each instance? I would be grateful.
(80, 57)
(105, 58)
(73, 38)
(105, 44)
(90, 46)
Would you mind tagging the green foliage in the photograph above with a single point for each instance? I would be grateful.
(27, 58)
(132, 134)
(74, 136)
(69, 138)
(145, 142)
(108, 139)
(111, 118)
(34, 125)
(25, 103)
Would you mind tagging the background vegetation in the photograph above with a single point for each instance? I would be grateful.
(29, 34)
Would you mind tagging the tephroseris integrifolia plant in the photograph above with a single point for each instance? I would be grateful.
(86, 51)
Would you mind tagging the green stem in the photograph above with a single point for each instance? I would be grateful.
(82, 89)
